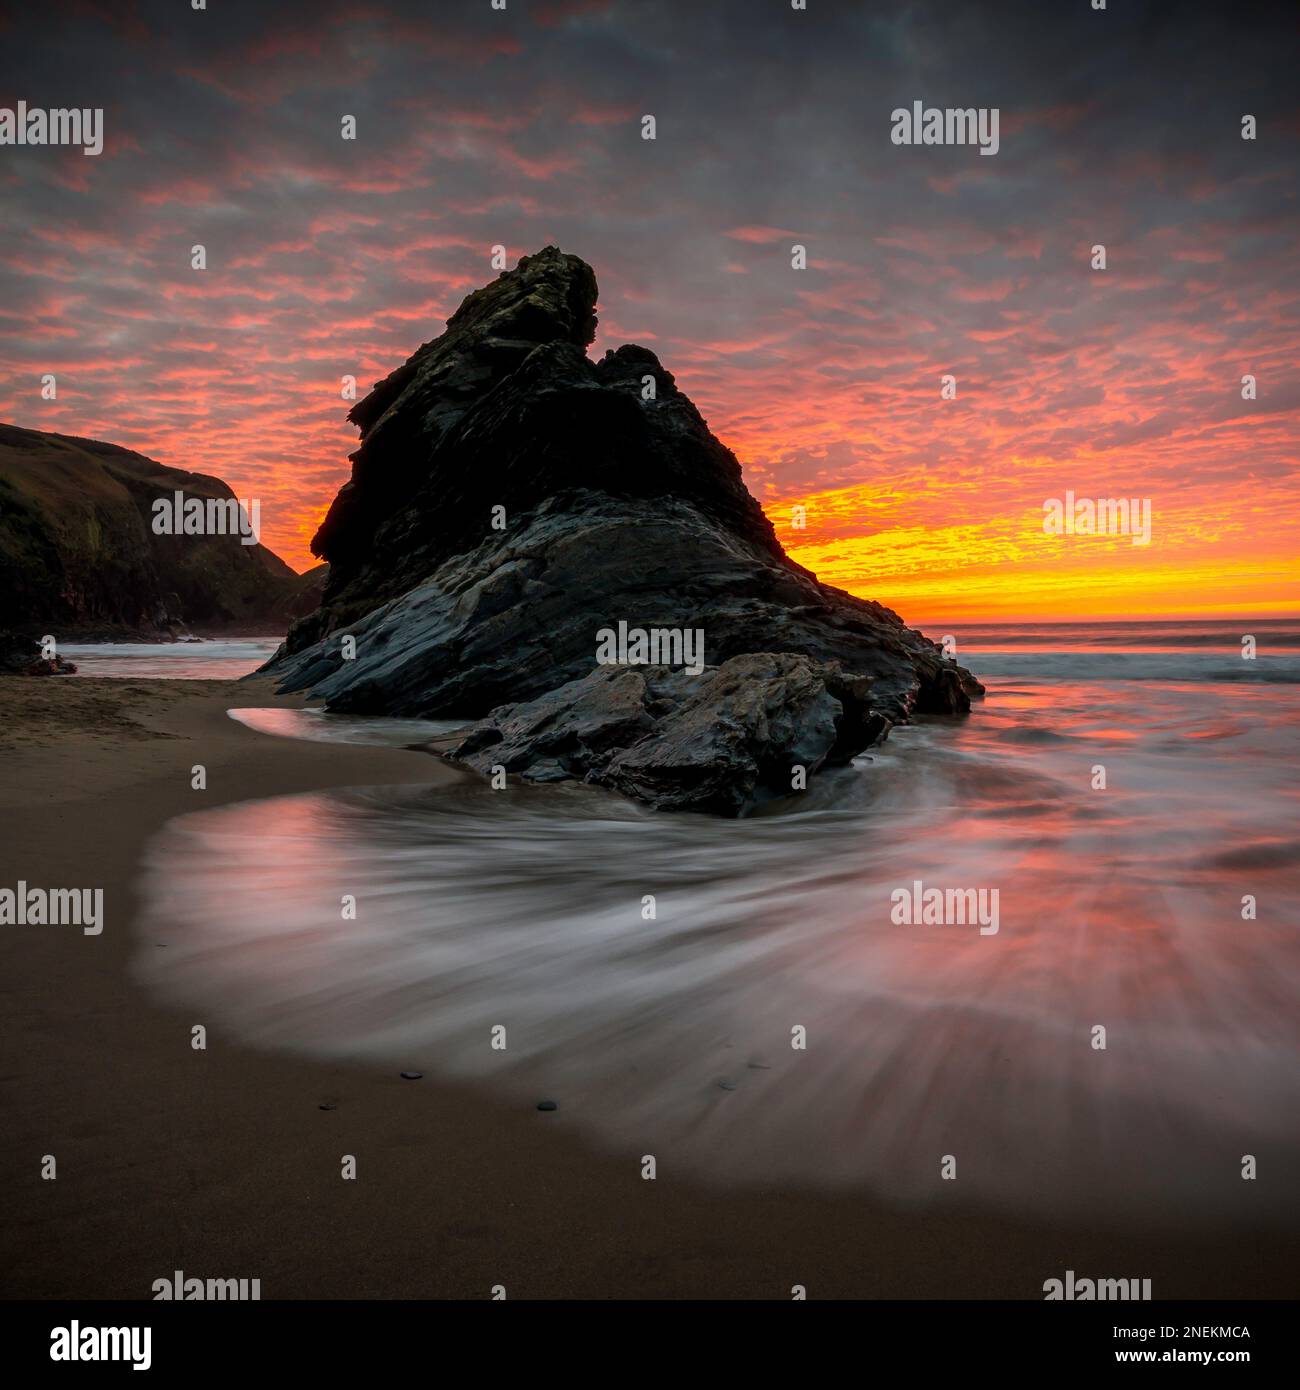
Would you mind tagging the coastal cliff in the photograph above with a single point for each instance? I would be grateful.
(79, 556)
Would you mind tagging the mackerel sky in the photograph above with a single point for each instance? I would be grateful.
(523, 127)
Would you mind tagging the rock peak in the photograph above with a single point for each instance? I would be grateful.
(548, 297)
(505, 409)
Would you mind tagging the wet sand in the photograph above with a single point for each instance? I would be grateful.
(222, 1163)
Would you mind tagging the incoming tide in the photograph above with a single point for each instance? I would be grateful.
(214, 659)
(670, 1031)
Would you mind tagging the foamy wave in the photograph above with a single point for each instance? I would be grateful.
(672, 1034)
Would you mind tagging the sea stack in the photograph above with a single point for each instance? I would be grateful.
(512, 500)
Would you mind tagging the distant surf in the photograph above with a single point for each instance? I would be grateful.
(1165, 651)
(1177, 651)
(215, 659)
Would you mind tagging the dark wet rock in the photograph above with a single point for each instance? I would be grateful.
(23, 656)
(49, 666)
(721, 741)
(511, 498)
(738, 739)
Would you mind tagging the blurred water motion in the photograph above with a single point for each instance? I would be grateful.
(524, 908)
(212, 659)
(316, 726)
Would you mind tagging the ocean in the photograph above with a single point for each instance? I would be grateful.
(214, 659)
(1068, 651)
(741, 998)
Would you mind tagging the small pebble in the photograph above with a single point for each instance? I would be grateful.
(547, 1105)
(412, 1075)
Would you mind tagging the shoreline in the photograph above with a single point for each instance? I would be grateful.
(223, 1164)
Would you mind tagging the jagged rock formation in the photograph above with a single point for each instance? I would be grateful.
(723, 741)
(78, 555)
(511, 498)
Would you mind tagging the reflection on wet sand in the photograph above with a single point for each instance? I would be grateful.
(669, 1032)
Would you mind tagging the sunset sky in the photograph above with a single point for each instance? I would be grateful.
(475, 127)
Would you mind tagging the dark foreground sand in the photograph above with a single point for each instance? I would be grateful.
(222, 1164)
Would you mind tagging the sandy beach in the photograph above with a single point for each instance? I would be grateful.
(222, 1163)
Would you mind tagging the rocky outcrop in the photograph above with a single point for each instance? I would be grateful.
(78, 553)
(23, 656)
(724, 741)
(511, 498)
